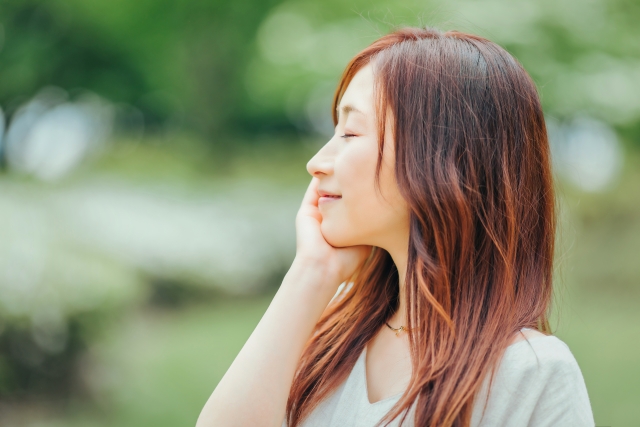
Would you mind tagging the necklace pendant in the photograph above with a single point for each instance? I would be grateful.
(397, 330)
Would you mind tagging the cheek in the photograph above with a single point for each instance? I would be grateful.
(353, 220)
(365, 216)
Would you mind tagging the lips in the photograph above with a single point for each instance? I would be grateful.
(323, 193)
(326, 197)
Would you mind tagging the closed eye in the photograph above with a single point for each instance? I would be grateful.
(347, 135)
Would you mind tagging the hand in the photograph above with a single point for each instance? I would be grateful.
(338, 263)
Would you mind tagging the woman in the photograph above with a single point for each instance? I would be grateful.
(434, 203)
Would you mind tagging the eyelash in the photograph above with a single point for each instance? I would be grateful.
(347, 135)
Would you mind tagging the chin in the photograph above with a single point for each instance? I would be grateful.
(337, 237)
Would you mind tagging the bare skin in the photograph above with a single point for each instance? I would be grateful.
(255, 388)
(347, 166)
(333, 238)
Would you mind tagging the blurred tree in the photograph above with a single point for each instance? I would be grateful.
(45, 44)
(167, 58)
(220, 67)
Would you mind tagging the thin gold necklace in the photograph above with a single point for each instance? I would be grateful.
(398, 330)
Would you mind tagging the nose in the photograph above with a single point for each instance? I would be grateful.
(322, 163)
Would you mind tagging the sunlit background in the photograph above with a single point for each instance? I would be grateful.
(153, 157)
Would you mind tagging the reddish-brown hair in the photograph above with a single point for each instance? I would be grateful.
(472, 161)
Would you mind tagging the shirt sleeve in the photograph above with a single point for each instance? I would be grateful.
(538, 384)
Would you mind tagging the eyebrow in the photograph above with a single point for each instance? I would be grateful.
(346, 109)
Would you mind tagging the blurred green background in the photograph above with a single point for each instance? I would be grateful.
(153, 158)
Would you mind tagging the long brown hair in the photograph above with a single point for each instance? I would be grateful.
(472, 161)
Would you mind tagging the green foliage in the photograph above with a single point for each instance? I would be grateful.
(46, 44)
(166, 58)
(245, 66)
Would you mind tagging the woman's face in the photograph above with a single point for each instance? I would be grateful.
(346, 167)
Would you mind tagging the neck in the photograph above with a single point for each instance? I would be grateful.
(399, 256)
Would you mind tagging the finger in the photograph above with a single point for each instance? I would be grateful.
(311, 195)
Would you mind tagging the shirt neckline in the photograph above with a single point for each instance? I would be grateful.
(363, 372)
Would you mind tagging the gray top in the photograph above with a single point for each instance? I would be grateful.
(538, 383)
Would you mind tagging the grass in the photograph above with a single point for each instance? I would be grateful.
(601, 330)
(159, 367)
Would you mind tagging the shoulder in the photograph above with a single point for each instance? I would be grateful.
(540, 355)
(538, 382)
(540, 364)
(526, 334)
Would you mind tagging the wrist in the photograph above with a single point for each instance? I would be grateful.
(313, 275)
(314, 266)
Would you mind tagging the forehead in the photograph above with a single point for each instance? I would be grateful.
(359, 93)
